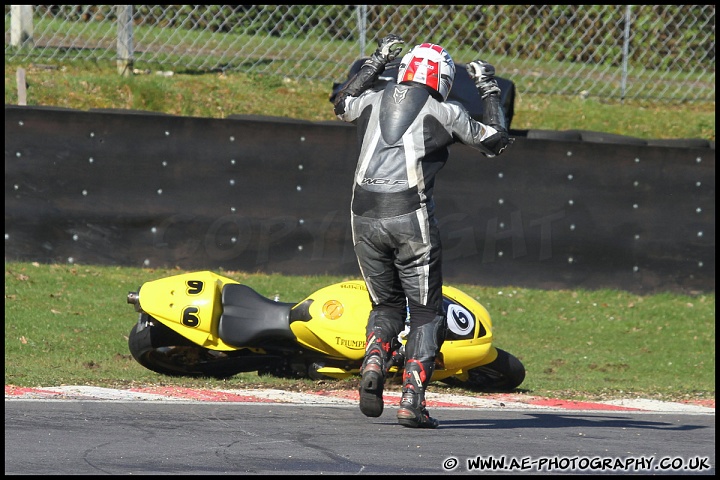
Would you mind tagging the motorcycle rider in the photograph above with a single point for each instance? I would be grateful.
(405, 130)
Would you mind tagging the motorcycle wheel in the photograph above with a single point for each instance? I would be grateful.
(162, 350)
(503, 374)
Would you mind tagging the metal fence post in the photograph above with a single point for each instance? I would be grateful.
(21, 25)
(124, 40)
(625, 54)
(362, 28)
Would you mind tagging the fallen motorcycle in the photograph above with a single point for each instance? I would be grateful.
(202, 324)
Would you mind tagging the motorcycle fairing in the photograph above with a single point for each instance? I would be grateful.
(469, 335)
(331, 329)
(189, 304)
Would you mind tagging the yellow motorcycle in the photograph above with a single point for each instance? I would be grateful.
(202, 324)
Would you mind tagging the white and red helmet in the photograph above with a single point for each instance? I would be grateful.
(430, 65)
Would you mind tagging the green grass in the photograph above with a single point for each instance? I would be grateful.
(68, 325)
(216, 95)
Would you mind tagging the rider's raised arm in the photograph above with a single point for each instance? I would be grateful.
(388, 49)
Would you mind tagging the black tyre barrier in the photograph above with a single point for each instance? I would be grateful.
(556, 135)
(600, 137)
(614, 138)
(123, 111)
(680, 143)
(268, 118)
(205, 193)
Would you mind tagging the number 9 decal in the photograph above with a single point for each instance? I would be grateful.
(195, 287)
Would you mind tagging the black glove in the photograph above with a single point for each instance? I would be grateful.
(483, 74)
(388, 50)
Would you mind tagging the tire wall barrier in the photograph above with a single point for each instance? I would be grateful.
(272, 195)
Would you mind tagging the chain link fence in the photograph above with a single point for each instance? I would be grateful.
(658, 52)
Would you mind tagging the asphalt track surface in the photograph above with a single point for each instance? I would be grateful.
(91, 431)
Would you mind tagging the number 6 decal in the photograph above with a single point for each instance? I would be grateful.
(459, 319)
(189, 317)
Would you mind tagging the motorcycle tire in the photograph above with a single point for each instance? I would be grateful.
(504, 374)
(161, 350)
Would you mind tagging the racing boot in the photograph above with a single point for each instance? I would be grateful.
(373, 376)
(412, 412)
(423, 344)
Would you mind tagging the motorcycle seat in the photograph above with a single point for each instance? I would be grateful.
(249, 319)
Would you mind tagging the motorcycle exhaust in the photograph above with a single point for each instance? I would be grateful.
(133, 298)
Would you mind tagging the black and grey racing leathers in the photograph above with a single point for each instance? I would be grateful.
(404, 134)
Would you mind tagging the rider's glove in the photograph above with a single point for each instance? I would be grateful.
(388, 49)
(483, 74)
